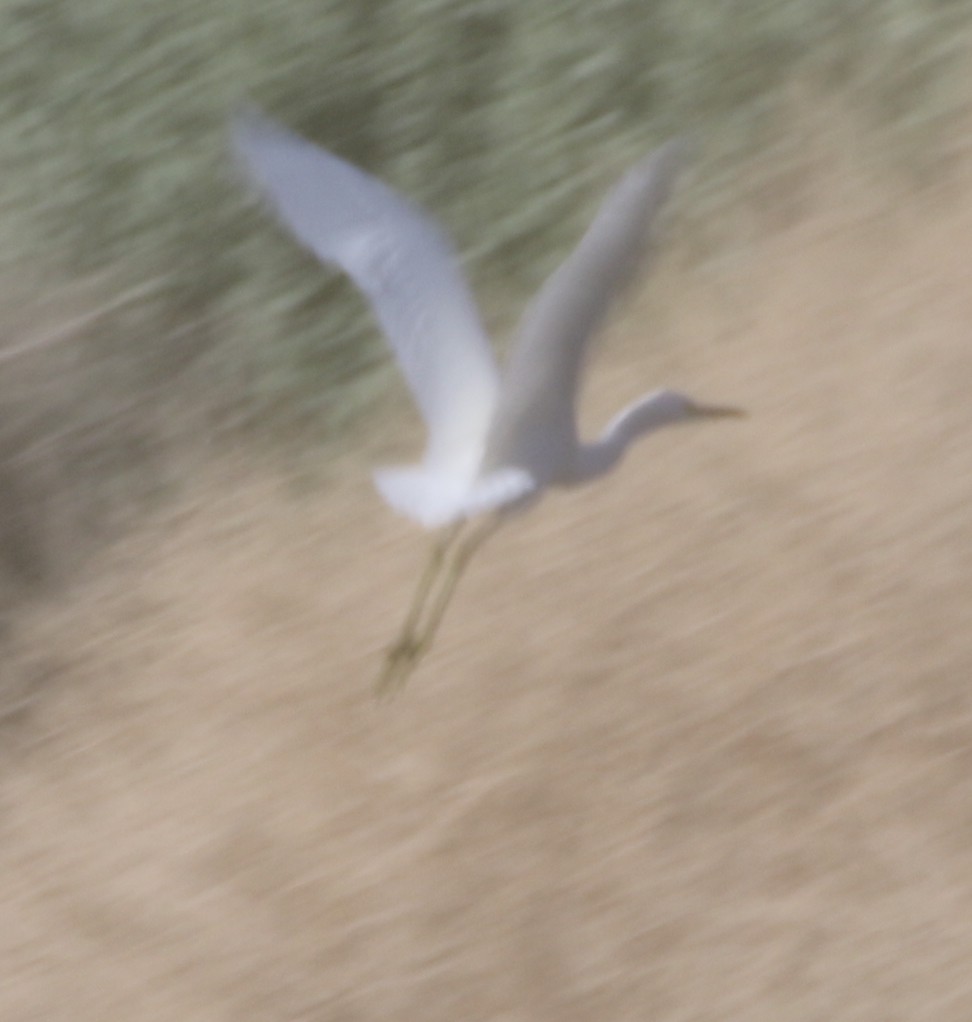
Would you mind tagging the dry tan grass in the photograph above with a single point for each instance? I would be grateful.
(695, 745)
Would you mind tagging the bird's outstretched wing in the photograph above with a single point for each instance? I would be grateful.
(535, 424)
(403, 263)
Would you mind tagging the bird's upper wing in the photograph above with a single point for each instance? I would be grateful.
(535, 421)
(403, 263)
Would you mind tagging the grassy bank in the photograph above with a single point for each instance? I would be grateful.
(149, 303)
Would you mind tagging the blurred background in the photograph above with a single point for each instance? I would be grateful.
(693, 745)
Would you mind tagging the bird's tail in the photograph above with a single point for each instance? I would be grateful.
(435, 499)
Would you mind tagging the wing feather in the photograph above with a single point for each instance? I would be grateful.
(535, 423)
(404, 264)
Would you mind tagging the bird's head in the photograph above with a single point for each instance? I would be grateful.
(657, 410)
(667, 408)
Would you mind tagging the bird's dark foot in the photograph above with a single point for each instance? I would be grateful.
(400, 661)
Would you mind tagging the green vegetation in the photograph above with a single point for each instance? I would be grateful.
(499, 115)
(506, 117)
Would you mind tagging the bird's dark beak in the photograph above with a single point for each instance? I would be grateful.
(698, 411)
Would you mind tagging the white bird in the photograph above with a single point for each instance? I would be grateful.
(495, 442)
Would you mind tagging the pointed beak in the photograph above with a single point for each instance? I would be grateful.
(698, 411)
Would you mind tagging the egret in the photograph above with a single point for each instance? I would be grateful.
(494, 442)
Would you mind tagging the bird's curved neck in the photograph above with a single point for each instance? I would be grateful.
(659, 409)
(598, 458)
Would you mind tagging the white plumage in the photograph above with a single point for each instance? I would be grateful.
(494, 442)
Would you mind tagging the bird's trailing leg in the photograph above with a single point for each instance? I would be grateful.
(406, 645)
(414, 641)
(454, 572)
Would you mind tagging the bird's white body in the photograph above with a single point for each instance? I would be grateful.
(493, 441)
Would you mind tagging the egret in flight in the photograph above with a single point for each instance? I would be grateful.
(495, 440)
